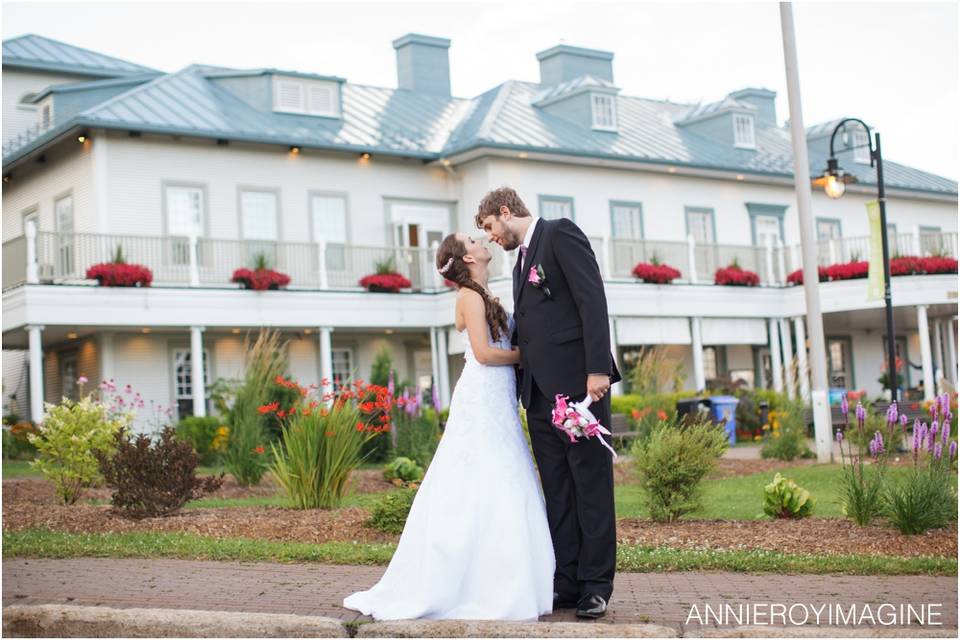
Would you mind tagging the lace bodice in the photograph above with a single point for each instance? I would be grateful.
(502, 343)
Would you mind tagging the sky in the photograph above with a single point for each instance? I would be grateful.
(894, 65)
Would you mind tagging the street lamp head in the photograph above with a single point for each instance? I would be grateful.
(833, 187)
(834, 181)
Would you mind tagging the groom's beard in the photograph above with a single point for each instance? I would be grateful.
(509, 243)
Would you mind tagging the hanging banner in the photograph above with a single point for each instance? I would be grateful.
(875, 271)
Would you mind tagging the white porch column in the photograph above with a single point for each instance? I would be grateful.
(771, 276)
(322, 276)
(107, 358)
(782, 263)
(923, 329)
(33, 272)
(775, 362)
(434, 358)
(36, 372)
(800, 329)
(699, 379)
(616, 389)
(194, 262)
(787, 343)
(432, 267)
(939, 371)
(326, 362)
(198, 385)
(917, 248)
(951, 352)
(691, 258)
(444, 366)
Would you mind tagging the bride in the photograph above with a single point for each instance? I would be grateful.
(476, 545)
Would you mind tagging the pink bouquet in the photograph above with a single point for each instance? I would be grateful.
(576, 421)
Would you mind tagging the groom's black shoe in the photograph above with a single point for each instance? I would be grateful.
(563, 602)
(591, 606)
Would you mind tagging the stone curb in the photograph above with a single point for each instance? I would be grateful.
(54, 620)
(824, 631)
(499, 629)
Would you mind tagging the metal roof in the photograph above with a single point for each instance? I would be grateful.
(31, 51)
(413, 124)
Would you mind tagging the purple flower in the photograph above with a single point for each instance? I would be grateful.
(436, 398)
(934, 428)
(933, 410)
(944, 401)
(937, 450)
(945, 432)
(839, 435)
(844, 406)
(953, 449)
(892, 413)
(876, 445)
(390, 387)
(861, 414)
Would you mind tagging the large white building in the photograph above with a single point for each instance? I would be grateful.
(192, 173)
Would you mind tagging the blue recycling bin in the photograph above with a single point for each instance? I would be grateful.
(835, 395)
(724, 409)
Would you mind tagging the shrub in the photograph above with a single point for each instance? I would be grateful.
(735, 276)
(862, 493)
(153, 479)
(925, 498)
(391, 511)
(417, 429)
(783, 498)
(321, 447)
(16, 440)
(67, 441)
(785, 434)
(672, 463)
(250, 427)
(202, 434)
(403, 469)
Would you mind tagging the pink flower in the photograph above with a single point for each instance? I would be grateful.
(560, 409)
(534, 277)
(82, 380)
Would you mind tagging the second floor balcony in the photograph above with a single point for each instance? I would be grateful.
(176, 261)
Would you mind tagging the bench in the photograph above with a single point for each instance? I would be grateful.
(620, 428)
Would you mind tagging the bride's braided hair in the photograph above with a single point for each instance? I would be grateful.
(451, 265)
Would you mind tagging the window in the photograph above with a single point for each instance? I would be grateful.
(329, 218)
(184, 219)
(554, 207)
(839, 363)
(342, 364)
(604, 111)
(63, 214)
(258, 211)
(700, 225)
(743, 131)
(861, 146)
(767, 230)
(713, 363)
(827, 229)
(183, 380)
(68, 377)
(931, 241)
(306, 96)
(626, 220)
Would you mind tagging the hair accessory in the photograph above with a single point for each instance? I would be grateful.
(447, 266)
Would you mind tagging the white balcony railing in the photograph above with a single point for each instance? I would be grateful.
(51, 257)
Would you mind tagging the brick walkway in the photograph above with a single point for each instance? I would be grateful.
(657, 598)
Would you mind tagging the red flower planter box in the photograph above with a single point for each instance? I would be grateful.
(655, 273)
(734, 276)
(385, 282)
(900, 266)
(260, 279)
(113, 274)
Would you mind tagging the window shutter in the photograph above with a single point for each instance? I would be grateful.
(322, 100)
(289, 96)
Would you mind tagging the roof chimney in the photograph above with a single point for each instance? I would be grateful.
(563, 62)
(423, 64)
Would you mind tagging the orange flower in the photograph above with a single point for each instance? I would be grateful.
(292, 411)
(279, 380)
(329, 433)
(258, 450)
(324, 412)
(360, 426)
(268, 408)
(661, 414)
(325, 382)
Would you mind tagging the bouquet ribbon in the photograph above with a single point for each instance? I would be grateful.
(575, 419)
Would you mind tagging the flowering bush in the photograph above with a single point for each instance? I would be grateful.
(111, 274)
(321, 445)
(735, 276)
(417, 428)
(385, 282)
(785, 434)
(260, 279)
(862, 492)
(899, 266)
(655, 273)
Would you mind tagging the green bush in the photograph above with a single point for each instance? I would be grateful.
(417, 436)
(403, 469)
(672, 463)
(390, 512)
(16, 440)
(783, 498)
(152, 479)
(67, 441)
(200, 433)
(785, 436)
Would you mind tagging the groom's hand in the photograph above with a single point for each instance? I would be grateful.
(597, 385)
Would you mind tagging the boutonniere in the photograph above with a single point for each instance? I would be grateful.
(538, 278)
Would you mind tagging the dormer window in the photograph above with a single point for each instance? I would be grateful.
(743, 131)
(861, 147)
(604, 109)
(306, 96)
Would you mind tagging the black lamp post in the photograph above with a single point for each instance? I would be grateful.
(834, 181)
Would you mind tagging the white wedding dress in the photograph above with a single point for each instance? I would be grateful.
(476, 545)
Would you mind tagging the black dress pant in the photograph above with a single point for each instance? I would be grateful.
(577, 482)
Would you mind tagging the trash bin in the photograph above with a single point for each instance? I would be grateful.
(724, 410)
(835, 395)
(692, 406)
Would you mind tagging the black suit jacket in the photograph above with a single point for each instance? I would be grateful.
(565, 336)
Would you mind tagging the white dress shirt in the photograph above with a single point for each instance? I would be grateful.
(526, 240)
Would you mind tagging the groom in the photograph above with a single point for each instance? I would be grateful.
(563, 333)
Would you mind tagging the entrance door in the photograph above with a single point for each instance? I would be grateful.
(416, 228)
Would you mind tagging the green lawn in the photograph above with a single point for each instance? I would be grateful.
(741, 497)
(47, 544)
(18, 469)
